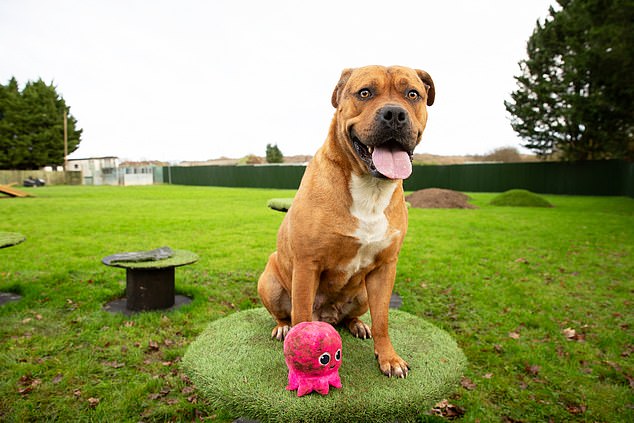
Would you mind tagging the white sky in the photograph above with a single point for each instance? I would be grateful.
(194, 80)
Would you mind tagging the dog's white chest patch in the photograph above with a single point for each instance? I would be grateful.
(370, 198)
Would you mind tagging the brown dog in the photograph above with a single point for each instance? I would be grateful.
(338, 245)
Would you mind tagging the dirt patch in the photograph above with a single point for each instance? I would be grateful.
(436, 198)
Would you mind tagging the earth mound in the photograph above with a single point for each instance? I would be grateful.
(436, 198)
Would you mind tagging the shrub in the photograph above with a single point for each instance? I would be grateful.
(520, 198)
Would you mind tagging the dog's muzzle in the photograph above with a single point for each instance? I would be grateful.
(387, 150)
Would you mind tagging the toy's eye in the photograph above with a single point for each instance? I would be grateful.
(413, 94)
(338, 355)
(324, 359)
(365, 93)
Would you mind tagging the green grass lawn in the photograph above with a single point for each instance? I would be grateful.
(540, 300)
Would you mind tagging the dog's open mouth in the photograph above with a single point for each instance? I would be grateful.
(387, 160)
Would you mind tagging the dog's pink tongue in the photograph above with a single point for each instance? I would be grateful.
(393, 163)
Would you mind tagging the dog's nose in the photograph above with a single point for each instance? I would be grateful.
(393, 116)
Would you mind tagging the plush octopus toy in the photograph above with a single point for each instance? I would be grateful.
(312, 351)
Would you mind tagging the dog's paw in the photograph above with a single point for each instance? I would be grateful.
(280, 331)
(358, 329)
(395, 366)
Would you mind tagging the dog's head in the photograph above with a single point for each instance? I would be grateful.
(381, 114)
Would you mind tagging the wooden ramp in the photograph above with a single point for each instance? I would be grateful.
(12, 192)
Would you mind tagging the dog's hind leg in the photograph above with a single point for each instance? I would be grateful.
(275, 298)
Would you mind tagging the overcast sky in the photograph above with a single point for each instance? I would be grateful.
(194, 80)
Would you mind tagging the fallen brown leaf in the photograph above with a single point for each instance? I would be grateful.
(93, 402)
(576, 409)
(514, 335)
(25, 390)
(572, 335)
(113, 364)
(467, 384)
(27, 384)
(447, 410)
(532, 369)
(188, 390)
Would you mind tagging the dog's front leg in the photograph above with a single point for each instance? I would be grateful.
(305, 283)
(379, 286)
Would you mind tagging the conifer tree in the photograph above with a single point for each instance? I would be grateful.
(576, 88)
(32, 126)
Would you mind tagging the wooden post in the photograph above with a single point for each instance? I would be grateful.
(65, 140)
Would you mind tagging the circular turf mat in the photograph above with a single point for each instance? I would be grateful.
(237, 366)
(8, 239)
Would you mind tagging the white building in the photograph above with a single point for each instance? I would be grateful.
(96, 170)
(110, 171)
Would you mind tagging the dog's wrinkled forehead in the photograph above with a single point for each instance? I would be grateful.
(382, 80)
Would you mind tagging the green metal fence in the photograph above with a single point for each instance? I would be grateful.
(273, 176)
(609, 177)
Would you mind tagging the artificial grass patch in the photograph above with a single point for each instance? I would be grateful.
(177, 258)
(237, 366)
(8, 239)
(520, 198)
(280, 204)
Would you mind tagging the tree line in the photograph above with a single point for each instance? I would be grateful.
(32, 126)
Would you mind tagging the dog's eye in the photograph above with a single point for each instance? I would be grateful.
(365, 93)
(413, 94)
(324, 359)
(338, 355)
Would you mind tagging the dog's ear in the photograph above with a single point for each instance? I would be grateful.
(336, 94)
(429, 83)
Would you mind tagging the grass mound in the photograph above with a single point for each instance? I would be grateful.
(520, 198)
(238, 367)
(280, 204)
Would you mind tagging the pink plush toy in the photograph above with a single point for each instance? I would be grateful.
(313, 355)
